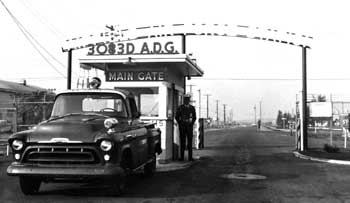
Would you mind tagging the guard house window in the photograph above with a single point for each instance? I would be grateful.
(147, 100)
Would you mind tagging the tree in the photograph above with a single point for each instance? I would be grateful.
(287, 117)
(321, 98)
(318, 98)
(279, 121)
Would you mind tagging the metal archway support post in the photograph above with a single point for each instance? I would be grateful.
(303, 127)
(69, 69)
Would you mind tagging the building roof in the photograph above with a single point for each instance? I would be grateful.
(19, 88)
(182, 62)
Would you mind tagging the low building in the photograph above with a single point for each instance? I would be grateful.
(22, 105)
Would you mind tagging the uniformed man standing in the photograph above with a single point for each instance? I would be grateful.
(185, 117)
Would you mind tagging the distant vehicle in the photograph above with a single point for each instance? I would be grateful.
(91, 134)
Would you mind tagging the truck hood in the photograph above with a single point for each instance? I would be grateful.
(73, 130)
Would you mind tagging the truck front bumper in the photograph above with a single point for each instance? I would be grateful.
(78, 171)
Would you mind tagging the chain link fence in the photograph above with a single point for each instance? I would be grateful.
(21, 113)
(8, 125)
(332, 130)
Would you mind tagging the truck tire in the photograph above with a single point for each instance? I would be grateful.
(29, 185)
(117, 187)
(150, 168)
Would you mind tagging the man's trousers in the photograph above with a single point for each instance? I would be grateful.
(186, 132)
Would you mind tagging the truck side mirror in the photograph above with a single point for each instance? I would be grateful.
(137, 115)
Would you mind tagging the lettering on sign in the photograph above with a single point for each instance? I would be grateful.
(151, 46)
(135, 76)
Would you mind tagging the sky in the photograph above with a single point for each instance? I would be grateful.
(225, 61)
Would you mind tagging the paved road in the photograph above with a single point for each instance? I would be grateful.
(227, 152)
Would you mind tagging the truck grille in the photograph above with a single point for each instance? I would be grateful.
(61, 155)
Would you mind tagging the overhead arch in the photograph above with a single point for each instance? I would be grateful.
(118, 34)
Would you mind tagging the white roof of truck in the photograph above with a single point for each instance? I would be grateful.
(123, 93)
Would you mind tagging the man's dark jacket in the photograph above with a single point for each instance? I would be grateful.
(186, 115)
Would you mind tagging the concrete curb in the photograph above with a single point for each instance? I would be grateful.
(172, 167)
(331, 161)
(276, 129)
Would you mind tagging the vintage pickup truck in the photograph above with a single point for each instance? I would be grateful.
(91, 134)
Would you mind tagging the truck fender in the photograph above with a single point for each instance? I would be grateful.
(127, 159)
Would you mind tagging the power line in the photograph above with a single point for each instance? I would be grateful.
(41, 18)
(50, 27)
(23, 30)
(31, 38)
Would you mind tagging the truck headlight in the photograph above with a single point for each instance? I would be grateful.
(17, 145)
(110, 122)
(106, 145)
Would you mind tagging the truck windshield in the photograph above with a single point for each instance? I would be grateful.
(103, 103)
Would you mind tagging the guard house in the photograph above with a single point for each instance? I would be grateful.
(155, 71)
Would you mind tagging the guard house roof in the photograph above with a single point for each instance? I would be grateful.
(183, 62)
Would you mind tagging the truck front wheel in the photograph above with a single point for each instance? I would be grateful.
(118, 185)
(29, 185)
(150, 168)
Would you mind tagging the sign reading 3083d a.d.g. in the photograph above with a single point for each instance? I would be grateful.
(163, 45)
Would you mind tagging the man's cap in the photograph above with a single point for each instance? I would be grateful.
(187, 95)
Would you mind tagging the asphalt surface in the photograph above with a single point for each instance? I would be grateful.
(237, 165)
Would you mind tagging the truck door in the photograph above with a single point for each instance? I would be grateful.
(142, 138)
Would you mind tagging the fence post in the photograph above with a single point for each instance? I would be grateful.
(44, 107)
(331, 122)
(346, 137)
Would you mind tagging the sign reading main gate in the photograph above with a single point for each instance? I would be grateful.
(135, 76)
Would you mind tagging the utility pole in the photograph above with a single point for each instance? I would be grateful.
(224, 114)
(191, 88)
(304, 140)
(217, 111)
(331, 121)
(199, 103)
(69, 69)
(232, 116)
(260, 111)
(230, 120)
(207, 95)
(255, 114)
